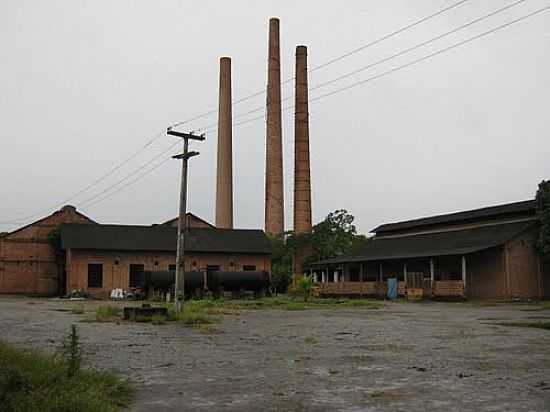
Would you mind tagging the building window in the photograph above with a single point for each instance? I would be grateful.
(172, 268)
(95, 275)
(249, 268)
(136, 272)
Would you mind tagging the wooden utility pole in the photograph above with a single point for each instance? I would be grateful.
(179, 289)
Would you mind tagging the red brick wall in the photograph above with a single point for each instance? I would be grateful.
(486, 275)
(523, 267)
(116, 266)
(27, 260)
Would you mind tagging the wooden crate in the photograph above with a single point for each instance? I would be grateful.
(415, 293)
(401, 289)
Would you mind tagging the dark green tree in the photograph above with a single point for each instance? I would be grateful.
(281, 264)
(336, 235)
(543, 212)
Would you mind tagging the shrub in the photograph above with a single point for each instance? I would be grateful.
(304, 286)
(107, 313)
(32, 381)
(71, 352)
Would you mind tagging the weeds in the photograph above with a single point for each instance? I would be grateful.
(32, 381)
(537, 325)
(107, 313)
(78, 310)
(310, 340)
(71, 352)
(158, 320)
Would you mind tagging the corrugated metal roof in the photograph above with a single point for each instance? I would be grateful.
(162, 238)
(527, 207)
(456, 242)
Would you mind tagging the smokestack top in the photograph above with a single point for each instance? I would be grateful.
(301, 49)
(225, 59)
(274, 20)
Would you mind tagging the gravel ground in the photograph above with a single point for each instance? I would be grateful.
(404, 357)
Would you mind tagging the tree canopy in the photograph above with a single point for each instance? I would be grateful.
(336, 235)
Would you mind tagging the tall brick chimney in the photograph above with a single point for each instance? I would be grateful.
(224, 181)
(302, 182)
(274, 192)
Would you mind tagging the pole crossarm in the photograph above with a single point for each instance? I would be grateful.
(186, 156)
(191, 136)
(179, 286)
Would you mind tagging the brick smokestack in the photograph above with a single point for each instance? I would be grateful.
(224, 181)
(302, 182)
(274, 193)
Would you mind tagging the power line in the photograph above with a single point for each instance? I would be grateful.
(94, 183)
(412, 63)
(384, 60)
(210, 112)
(129, 175)
(429, 56)
(425, 43)
(372, 78)
(335, 59)
(320, 97)
(129, 183)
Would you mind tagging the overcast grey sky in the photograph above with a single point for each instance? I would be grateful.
(84, 84)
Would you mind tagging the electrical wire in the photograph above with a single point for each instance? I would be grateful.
(243, 99)
(386, 73)
(129, 175)
(335, 59)
(403, 66)
(320, 97)
(384, 60)
(118, 166)
(139, 177)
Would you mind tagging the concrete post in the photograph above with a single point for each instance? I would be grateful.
(274, 192)
(302, 182)
(463, 262)
(224, 181)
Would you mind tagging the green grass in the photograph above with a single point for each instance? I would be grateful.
(310, 340)
(545, 306)
(209, 311)
(107, 313)
(537, 325)
(77, 310)
(222, 306)
(31, 381)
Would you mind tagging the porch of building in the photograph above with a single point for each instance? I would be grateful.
(433, 277)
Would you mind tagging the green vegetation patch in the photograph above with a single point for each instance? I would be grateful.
(32, 381)
(107, 313)
(537, 325)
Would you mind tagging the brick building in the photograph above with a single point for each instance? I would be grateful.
(105, 257)
(98, 258)
(486, 253)
(28, 261)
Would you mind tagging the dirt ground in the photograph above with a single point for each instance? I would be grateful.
(404, 357)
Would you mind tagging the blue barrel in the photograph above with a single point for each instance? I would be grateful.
(392, 288)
